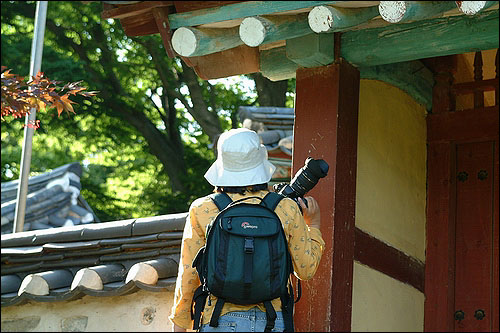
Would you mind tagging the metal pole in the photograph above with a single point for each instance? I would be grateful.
(35, 64)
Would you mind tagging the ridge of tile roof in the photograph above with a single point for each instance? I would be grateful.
(101, 259)
(53, 200)
(273, 124)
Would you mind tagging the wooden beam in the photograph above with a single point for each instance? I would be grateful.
(331, 19)
(223, 64)
(258, 30)
(396, 43)
(139, 8)
(403, 11)
(444, 69)
(412, 77)
(388, 260)
(423, 39)
(238, 11)
(470, 87)
(189, 6)
(460, 125)
(474, 7)
(317, 50)
(192, 42)
(275, 65)
(312, 50)
(139, 25)
(161, 19)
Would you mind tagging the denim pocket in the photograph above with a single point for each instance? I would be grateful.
(225, 325)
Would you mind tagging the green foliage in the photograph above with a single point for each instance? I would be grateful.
(123, 174)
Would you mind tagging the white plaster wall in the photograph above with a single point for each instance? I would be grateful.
(383, 304)
(142, 311)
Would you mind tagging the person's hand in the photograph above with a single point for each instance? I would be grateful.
(311, 212)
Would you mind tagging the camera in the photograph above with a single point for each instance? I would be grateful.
(305, 179)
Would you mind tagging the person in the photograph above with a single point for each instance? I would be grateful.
(242, 169)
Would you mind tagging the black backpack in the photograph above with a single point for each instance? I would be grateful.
(245, 260)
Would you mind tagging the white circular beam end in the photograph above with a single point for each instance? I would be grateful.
(184, 41)
(392, 11)
(320, 19)
(252, 31)
(470, 7)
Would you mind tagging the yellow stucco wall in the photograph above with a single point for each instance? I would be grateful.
(390, 203)
(142, 311)
(391, 173)
(382, 304)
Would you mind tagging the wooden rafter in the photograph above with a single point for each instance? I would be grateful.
(161, 19)
(212, 28)
(189, 6)
(223, 64)
(238, 10)
(134, 9)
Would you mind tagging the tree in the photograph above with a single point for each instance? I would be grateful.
(146, 134)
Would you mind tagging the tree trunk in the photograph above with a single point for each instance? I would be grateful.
(167, 151)
(169, 155)
(208, 120)
(270, 93)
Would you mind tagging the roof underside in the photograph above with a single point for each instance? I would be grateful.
(225, 38)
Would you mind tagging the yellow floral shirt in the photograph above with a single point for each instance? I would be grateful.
(305, 244)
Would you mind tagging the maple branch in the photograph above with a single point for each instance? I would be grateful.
(19, 97)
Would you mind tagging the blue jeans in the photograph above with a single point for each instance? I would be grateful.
(252, 320)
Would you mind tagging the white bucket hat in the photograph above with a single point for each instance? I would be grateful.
(241, 160)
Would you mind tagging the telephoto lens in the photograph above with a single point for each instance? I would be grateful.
(308, 176)
(305, 179)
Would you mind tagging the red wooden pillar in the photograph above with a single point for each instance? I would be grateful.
(440, 229)
(326, 127)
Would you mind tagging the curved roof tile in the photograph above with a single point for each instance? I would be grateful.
(104, 259)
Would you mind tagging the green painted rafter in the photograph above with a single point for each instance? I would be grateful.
(265, 30)
(402, 42)
(413, 10)
(421, 39)
(238, 11)
(411, 76)
(326, 19)
(192, 42)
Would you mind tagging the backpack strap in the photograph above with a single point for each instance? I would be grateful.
(214, 320)
(199, 299)
(221, 200)
(248, 265)
(270, 316)
(287, 305)
(271, 200)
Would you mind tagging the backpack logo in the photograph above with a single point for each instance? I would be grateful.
(246, 225)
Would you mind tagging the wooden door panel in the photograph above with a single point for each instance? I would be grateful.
(474, 229)
(462, 231)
